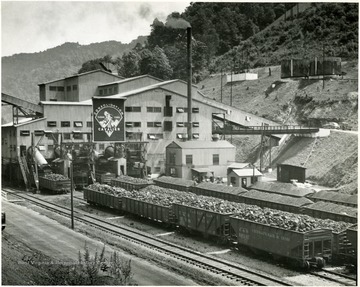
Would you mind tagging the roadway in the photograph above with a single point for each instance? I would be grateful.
(41, 233)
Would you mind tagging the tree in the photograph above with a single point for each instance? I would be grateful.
(129, 65)
(94, 64)
(155, 63)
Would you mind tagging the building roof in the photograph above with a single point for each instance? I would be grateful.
(282, 188)
(239, 165)
(221, 188)
(277, 198)
(66, 103)
(201, 144)
(174, 180)
(246, 172)
(131, 79)
(79, 75)
(203, 170)
(335, 197)
(333, 208)
(289, 164)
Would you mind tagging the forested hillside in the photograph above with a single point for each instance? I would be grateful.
(21, 73)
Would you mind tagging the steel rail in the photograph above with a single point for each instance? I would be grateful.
(227, 269)
(335, 277)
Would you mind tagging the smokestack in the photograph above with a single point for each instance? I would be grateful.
(189, 62)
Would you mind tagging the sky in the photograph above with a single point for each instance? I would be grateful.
(34, 26)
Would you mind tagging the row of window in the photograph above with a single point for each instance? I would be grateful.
(108, 91)
(158, 124)
(158, 110)
(64, 124)
(61, 88)
(189, 159)
(158, 136)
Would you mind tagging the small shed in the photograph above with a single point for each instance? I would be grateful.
(287, 172)
(243, 177)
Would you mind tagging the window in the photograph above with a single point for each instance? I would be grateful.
(180, 124)
(115, 89)
(89, 124)
(181, 136)
(157, 169)
(50, 147)
(68, 88)
(77, 136)
(216, 159)
(60, 89)
(24, 133)
(167, 126)
(78, 124)
(101, 146)
(101, 92)
(189, 159)
(168, 111)
(105, 91)
(195, 124)
(172, 158)
(196, 136)
(137, 124)
(195, 110)
(153, 109)
(75, 87)
(181, 110)
(51, 123)
(154, 124)
(66, 136)
(129, 124)
(38, 133)
(65, 124)
(110, 91)
(52, 88)
(155, 136)
(133, 109)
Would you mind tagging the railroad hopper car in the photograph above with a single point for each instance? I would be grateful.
(102, 199)
(208, 223)
(174, 183)
(332, 211)
(306, 249)
(148, 210)
(345, 246)
(128, 184)
(54, 186)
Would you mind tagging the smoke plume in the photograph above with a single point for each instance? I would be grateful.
(177, 23)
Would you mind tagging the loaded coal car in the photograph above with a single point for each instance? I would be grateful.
(130, 183)
(54, 183)
(345, 246)
(154, 203)
(208, 216)
(219, 191)
(328, 210)
(275, 201)
(105, 195)
(301, 249)
(174, 183)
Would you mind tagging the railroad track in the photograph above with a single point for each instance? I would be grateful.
(335, 277)
(239, 275)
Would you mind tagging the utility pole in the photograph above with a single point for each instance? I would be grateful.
(72, 194)
(221, 84)
(323, 66)
(232, 70)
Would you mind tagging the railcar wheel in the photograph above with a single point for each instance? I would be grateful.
(320, 262)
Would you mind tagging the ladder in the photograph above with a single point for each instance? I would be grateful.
(306, 250)
(25, 171)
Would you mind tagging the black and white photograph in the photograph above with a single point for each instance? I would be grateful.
(178, 143)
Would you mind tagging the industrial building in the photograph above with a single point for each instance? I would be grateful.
(199, 159)
(155, 115)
